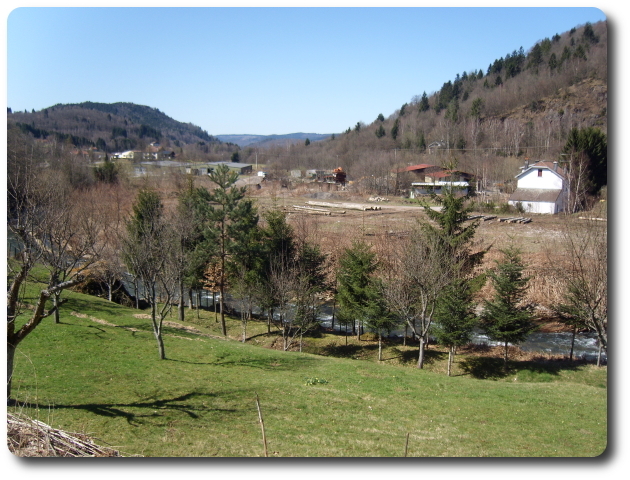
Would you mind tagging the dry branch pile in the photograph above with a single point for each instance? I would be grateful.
(31, 438)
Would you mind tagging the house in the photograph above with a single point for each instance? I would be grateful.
(240, 168)
(420, 171)
(541, 188)
(436, 180)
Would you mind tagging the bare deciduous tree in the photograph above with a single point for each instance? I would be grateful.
(55, 229)
(584, 244)
(148, 251)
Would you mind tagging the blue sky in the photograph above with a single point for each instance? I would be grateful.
(262, 70)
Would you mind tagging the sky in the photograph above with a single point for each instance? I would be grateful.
(262, 70)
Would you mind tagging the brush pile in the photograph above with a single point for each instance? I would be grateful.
(31, 438)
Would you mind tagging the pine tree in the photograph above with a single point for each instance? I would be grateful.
(278, 245)
(394, 131)
(454, 231)
(424, 103)
(505, 319)
(356, 285)
(378, 318)
(444, 255)
(231, 220)
(455, 318)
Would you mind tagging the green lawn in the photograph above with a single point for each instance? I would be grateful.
(108, 382)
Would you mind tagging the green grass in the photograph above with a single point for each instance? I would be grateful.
(109, 382)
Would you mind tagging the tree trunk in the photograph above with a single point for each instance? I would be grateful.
(160, 342)
(421, 352)
(572, 343)
(181, 314)
(56, 305)
(221, 305)
(405, 336)
(599, 355)
(190, 299)
(380, 347)
(505, 358)
(451, 353)
(332, 323)
(157, 330)
(10, 358)
(198, 302)
(109, 291)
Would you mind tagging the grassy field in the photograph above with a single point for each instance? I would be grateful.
(98, 373)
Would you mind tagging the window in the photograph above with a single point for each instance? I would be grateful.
(540, 172)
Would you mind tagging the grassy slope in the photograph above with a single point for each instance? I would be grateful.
(108, 381)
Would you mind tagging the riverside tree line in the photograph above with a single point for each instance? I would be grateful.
(214, 238)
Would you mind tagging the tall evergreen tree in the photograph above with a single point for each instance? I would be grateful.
(455, 318)
(395, 128)
(231, 220)
(356, 284)
(504, 318)
(278, 246)
(592, 143)
(424, 103)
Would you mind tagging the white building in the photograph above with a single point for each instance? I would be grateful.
(541, 188)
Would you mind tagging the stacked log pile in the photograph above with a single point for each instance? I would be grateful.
(31, 438)
(347, 206)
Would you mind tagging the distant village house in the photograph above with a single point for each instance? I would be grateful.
(541, 188)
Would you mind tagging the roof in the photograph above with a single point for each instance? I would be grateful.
(448, 173)
(439, 184)
(414, 168)
(535, 195)
(542, 164)
(232, 164)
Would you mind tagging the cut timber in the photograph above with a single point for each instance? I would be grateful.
(515, 220)
(314, 210)
(349, 206)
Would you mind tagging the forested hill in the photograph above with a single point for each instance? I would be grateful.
(113, 127)
(523, 105)
(265, 141)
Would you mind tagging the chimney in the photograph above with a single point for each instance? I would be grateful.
(555, 166)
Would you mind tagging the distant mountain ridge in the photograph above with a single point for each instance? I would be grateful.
(111, 126)
(246, 140)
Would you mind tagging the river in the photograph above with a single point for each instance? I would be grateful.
(543, 342)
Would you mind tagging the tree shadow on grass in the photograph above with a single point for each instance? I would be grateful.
(484, 368)
(264, 362)
(408, 357)
(96, 307)
(342, 351)
(155, 407)
(488, 368)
